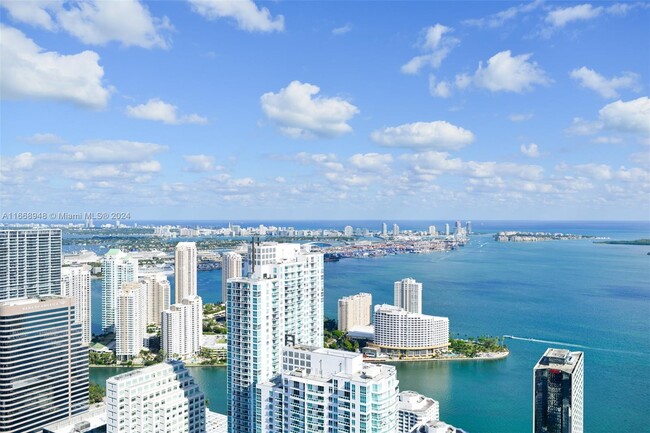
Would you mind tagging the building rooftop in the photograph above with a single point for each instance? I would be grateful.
(414, 402)
(146, 370)
(559, 359)
(94, 418)
(392, 309)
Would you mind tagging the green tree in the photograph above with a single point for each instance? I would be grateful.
(96, 393)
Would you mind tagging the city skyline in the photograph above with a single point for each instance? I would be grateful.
(194, 110)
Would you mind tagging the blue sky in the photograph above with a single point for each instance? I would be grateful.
(414, 110)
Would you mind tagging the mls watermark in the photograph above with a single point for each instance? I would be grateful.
(65, 216)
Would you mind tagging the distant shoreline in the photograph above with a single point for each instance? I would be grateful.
(483, 357)
(187, 364)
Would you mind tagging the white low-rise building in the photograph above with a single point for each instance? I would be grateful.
(414, 410)
(399, 333)
(160, 398)
(325, 390)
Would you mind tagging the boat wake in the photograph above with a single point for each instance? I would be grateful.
(561, 343)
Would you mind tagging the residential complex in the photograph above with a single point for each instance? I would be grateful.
(158, 295)
(278, 302)
(558, 386)
(75, 282)
(30, 263)
(354, 311)
(185, 270)
(117, 267)
(44, 370)
(408, 295)
(324, 390)
(181, 328)
(415, 409)
(130, 320)
(231, 267)
(160, 398)
(399, 333)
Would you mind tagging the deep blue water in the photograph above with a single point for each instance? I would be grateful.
(571, 292)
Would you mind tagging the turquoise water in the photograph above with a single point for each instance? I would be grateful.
(572, 292)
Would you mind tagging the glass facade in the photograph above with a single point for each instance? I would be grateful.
(43, 364)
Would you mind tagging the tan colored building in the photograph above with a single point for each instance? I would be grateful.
(354, 311)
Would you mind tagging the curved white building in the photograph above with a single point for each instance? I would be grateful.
(399, 333)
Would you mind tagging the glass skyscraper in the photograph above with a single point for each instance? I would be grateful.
(43, 363)
(30, 263)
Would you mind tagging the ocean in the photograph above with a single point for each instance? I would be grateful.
(575, 293)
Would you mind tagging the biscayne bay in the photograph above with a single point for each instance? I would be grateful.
(573, 294)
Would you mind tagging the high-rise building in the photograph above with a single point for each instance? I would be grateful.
(408, 295)
(30, 263)
(158, 294)
(324, 390)
(468, 227)
(415, 409)
(279, 301)
(117, 267)
(130, 320)
(185, 271)
(354, 311)
(395, 230)
(75, 282)
(384, 229)
(348, 231)
(231, 267)
(182, 328)
(399, 333)
(558, 382)
(459, 226)
(160, 398)
(43, 372)
(432, 230)
(446, 229)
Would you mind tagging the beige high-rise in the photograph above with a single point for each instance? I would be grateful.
(230, 268)
(354, 311)
(185, 271)
(158, 294)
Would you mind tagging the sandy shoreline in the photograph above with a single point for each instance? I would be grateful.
(483, 357)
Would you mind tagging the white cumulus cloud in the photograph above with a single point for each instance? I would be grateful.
(245, 12)
(200, 163)
(373, 162)
(531, 151)
(28, 71)
(631, 116)
(112, 151)
(95, 22)
(300, 113)
(161, 111)
(438, 134)
(441, 89)
(607, 88)
(436, 47)
(507, 73)
(562, 16)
